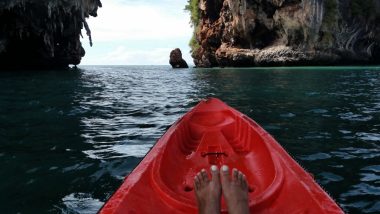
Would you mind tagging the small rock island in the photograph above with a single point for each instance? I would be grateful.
(44, 33)
(285, 32)
(176, 60)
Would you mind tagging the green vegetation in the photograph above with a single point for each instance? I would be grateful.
(330, 22)
(363, 8)
(327, 40)
(193, 8)
(330, 18)
(194, 44)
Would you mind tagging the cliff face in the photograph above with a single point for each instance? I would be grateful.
(285, 32)
(43, 33)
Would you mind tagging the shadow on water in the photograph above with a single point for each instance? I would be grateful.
(67, 139)
(42, 144)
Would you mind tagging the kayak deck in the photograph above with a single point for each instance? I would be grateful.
(213, 133)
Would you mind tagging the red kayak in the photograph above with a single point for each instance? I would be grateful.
(213, 133)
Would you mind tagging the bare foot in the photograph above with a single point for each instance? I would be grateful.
(208, 192)
(235, 190)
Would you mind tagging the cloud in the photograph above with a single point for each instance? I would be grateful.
(138, 32)
(126, 20)
(124, 56)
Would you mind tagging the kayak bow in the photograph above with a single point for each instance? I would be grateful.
(213, 133)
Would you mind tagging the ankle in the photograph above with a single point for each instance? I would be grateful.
(208, 208)
(238, 206)
(242, 209)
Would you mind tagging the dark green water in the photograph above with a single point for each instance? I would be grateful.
(67, 139)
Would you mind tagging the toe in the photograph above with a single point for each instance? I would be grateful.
(225, 174)
(204, 176)
(235, 175)
(196, 183)
(200, 179)
(245, 182)
(215, 173)
(241, 178)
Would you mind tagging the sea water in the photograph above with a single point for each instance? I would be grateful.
(68, 138)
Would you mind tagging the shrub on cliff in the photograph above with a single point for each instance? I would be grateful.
(193, 8)
(330, 17)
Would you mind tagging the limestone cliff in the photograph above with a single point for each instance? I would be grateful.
(285, 32)
(43, 33)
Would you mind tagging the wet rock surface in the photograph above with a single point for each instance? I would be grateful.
(287, 32)
(43, 34)
(176, 60)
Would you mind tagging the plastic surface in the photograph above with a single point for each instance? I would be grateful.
(213, 133)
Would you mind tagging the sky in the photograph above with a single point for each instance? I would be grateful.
(138, 32)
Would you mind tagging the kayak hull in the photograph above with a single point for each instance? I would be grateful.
(213, 133)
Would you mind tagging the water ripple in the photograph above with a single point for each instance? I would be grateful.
(80, 203)
(328, 177)
(317, 156)
(74, 136)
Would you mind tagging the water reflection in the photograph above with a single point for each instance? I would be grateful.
(42, 159)
(126, 117)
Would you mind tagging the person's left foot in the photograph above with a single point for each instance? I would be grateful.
(208, 191)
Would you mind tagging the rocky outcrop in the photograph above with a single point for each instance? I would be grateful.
(286, 32)
(43, 33)
(176, 60)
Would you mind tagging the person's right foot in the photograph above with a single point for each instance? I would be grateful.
(235, 190)
(208, 191)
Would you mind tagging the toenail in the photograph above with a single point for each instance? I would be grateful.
(225, 168)
(214, 168)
